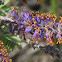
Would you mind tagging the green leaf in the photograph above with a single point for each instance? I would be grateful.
(10, 46)
(16, 38)
(6, 1)
(18, 45)
(13, 46)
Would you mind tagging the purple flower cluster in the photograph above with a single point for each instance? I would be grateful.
(42, 27)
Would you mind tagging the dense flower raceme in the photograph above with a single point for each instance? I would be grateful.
(3, 54)
(43, 28)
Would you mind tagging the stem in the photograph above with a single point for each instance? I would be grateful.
(53, 6)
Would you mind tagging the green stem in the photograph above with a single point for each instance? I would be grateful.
(53, 6)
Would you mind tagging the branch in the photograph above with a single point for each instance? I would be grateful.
(53, 51)
(6, 18)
